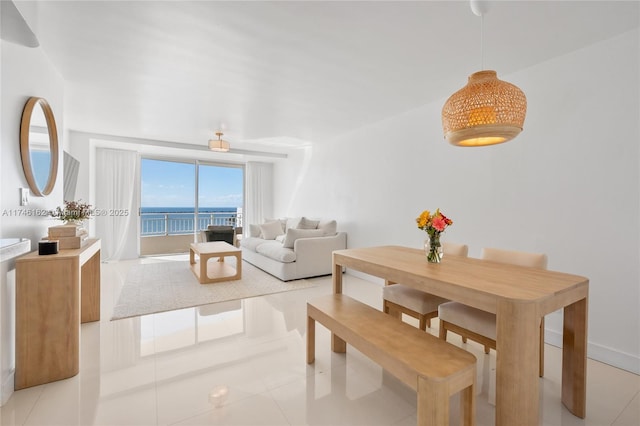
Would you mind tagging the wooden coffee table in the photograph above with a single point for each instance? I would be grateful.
(212, 272)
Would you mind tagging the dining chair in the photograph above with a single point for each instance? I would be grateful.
(478, 325)
(398, 299)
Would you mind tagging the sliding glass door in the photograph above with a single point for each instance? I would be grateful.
(181, 198)
(220, 195)
(167, 203)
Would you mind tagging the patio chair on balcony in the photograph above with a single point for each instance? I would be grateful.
(219, 233)
(238, 235)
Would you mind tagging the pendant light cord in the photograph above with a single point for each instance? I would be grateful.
(482, 42)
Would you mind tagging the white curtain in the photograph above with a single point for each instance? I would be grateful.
(259, 193)
(117, 203)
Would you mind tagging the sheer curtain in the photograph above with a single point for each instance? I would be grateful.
(116, 206)
(259, 193)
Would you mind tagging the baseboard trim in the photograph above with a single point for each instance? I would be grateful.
(7, 389)
(624, 361)
(615, 358)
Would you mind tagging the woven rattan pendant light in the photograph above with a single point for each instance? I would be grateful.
(487, 111)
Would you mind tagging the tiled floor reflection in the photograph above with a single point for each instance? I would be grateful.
(243, 363)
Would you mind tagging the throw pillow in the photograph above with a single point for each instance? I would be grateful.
(293, 234)
(292, 222)
(254, 231)
(308, 223)
(330, 227)
(271, 230)
(283, 222)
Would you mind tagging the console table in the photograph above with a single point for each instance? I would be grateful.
(54, 294)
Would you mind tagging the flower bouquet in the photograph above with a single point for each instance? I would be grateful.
(433, 225)
(73, 212)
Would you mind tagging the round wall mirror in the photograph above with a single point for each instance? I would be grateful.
(39, 146)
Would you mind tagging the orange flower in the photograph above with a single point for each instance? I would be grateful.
(433, 224)
(447, 220)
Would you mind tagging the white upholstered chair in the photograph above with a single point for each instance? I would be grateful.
(478, 325)
(399, 299)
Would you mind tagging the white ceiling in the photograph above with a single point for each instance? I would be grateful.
(281, 73)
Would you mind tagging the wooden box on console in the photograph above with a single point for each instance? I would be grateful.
(65, 231)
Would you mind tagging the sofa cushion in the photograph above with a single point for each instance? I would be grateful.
(330, 227)
(293, 234)
(307, 223)
(252, 243)
(271, 230)
(275, 251)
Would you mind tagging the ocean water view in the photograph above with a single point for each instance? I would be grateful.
(181, 220)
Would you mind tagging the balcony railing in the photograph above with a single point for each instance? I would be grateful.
(170, 223)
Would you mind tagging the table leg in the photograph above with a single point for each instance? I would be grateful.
(337, 344)
(204, 260)
(574, 358)
(311, 340)
(337, 278)
(192, 259)
(238, 265)
(517, 365)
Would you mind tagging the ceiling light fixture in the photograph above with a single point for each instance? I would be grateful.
(487, 111)
(218, 145)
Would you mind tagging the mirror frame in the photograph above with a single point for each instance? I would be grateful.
(53, 145)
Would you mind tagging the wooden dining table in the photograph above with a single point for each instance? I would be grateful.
(519, 296)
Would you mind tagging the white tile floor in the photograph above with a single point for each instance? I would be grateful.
(243, 363)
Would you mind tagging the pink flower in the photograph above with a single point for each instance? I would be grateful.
(439, 223)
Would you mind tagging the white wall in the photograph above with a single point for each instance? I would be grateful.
(567, 186)
(25, 72)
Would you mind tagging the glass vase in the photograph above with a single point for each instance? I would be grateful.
(433, 249)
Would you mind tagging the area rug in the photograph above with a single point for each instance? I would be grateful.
(166, 286)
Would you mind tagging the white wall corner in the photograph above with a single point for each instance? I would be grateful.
(7, 388)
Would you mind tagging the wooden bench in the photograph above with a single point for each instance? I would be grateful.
(435, 369)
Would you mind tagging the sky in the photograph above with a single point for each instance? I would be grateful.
(40, 164)
(172, 184)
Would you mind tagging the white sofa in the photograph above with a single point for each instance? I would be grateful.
(293, 248)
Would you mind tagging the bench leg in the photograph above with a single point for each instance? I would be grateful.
(468, 404)
(311, 340)
(433, 402)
